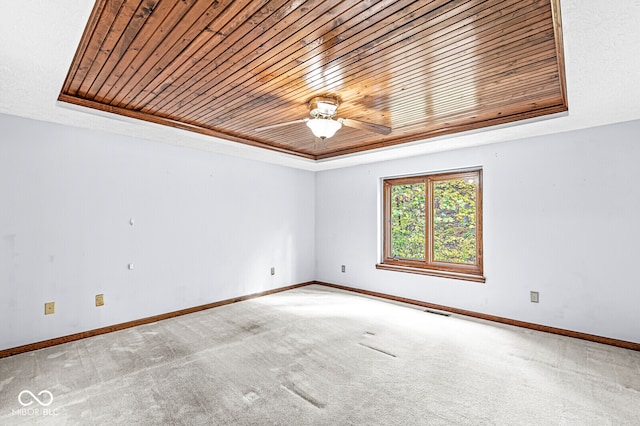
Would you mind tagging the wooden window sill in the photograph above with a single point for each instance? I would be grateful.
(432, 272)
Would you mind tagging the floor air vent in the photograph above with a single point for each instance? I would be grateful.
(444, 314)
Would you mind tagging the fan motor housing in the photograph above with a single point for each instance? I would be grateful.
(323, 106)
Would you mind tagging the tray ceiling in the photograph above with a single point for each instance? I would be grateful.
(225, 68)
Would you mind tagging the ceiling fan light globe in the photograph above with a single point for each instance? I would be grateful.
(324, 127)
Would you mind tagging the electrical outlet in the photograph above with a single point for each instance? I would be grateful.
(535, 297)
(130, 266)
(273, 270)
(99, 299)
(50, 308)
(343, 268)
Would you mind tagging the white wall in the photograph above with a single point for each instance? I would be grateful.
(206, 228)
(561, 216)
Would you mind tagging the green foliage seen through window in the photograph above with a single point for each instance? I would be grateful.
(454, 221)
(408, 221)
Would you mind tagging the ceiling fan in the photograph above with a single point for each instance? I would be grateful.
(322, 122)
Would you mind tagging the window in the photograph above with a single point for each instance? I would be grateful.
(433, 225)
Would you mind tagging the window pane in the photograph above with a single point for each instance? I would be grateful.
(454, 220)
(408, 221)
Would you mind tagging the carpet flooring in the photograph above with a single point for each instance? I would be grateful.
(321, 356)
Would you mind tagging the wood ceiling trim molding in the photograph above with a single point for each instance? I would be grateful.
(555, 109)
(557, 32)
(176, 124)
(223, 68)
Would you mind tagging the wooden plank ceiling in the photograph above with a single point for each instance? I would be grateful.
(225, 68)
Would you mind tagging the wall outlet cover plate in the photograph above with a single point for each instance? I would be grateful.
(535, 297)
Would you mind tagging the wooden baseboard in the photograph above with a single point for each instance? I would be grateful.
(70, 338)
(569, 333)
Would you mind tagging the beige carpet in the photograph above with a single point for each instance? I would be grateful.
(319, 356)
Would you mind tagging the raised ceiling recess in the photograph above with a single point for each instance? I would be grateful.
(233, 69)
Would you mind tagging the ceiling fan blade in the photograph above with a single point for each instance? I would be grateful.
(363, 125)
(287, 123)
